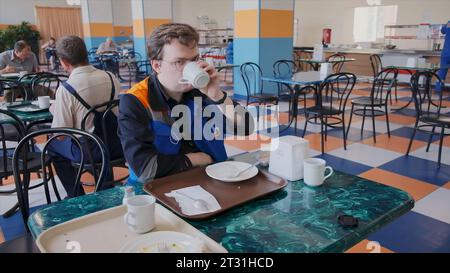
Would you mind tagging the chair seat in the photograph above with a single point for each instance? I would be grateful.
(434, 119)
(323, 111)
(34, 164)
(264, 97)
(367, 101)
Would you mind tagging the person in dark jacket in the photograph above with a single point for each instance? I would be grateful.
(146, 119)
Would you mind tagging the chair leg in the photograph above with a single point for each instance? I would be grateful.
(350, 120)
(363, 121)
(343, 131)
(412, 137)
(306, 125)
(430, 138)
(322, 142)
(395, 90)
(440, 146)
(326, 128)
(387, 121)
(374, 133)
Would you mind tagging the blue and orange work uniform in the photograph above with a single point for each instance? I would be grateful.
(445, 55)
(145, 131)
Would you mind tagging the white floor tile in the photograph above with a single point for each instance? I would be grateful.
(365, 154)
(37, 196)
(433, 153)
(380, 126)
(435, 205)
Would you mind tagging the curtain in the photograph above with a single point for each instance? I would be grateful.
(57, 22)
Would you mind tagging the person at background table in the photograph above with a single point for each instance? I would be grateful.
(445, 55)
(145, 110)
(94, 87)
(19, 59)
(50, 52)
(107, 47)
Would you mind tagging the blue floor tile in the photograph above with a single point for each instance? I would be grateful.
(13, 226)
(407, 132)
(353, 135)
(407, 112)
(344, 165)
(413, 233)
(418, 168)
(287, 132)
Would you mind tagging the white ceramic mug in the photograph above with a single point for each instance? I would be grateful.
(140, 217)
(314, 171)
(44, 102)
(193, 74)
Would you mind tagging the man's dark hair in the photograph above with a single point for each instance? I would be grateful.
(73, 50)
(164, 34)
(20, 45)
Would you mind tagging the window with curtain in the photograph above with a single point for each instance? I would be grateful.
(58, 22)
(369, 22)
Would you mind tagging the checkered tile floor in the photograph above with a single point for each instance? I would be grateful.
(427, 227)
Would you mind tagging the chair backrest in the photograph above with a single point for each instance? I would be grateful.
(7, 84)
(424, 102)
(143, 70)
(21, 158)
(383, 83)
(110, 62)
(47, 82)
(377, 65)
(337, 88)
(339, 62)
(284, 68)
(26, 83)
(251, 74)
(106, 126)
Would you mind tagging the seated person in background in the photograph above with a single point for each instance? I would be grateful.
(19, 59)
(145, 110)
(50, 53)
(108, 46)
(86, 86)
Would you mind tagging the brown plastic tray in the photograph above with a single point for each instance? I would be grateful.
(229, 195)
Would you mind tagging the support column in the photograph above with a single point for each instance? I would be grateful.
(148, 15)
(97, 21)
(263, 35)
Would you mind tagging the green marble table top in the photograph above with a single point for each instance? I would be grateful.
(297, 218)
(26, 117)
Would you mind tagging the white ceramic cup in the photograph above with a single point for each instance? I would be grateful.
(140, 217)
(44, 102)
(314, 171)
(193, 74)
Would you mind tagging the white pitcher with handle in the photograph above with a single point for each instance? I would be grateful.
(286, 160)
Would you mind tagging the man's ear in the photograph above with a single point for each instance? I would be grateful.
(156, 65)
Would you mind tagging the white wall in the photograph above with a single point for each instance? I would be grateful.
(220, 10)
(314, 15)
(16, 11)
(122, 13)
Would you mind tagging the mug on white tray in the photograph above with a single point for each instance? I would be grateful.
(140, 217)
(195, 75)
(314, 171)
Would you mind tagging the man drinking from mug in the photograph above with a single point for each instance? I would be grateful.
(145, 121)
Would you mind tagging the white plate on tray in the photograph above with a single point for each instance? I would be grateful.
(164, 242)
(226, 171)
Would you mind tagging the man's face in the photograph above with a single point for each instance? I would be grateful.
(22, 55)
(170, 68)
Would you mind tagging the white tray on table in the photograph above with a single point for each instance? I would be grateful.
(106, 232)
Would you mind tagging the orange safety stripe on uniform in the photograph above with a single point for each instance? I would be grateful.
(140, 91)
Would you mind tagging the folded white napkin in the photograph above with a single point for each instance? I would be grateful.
(195, 192)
